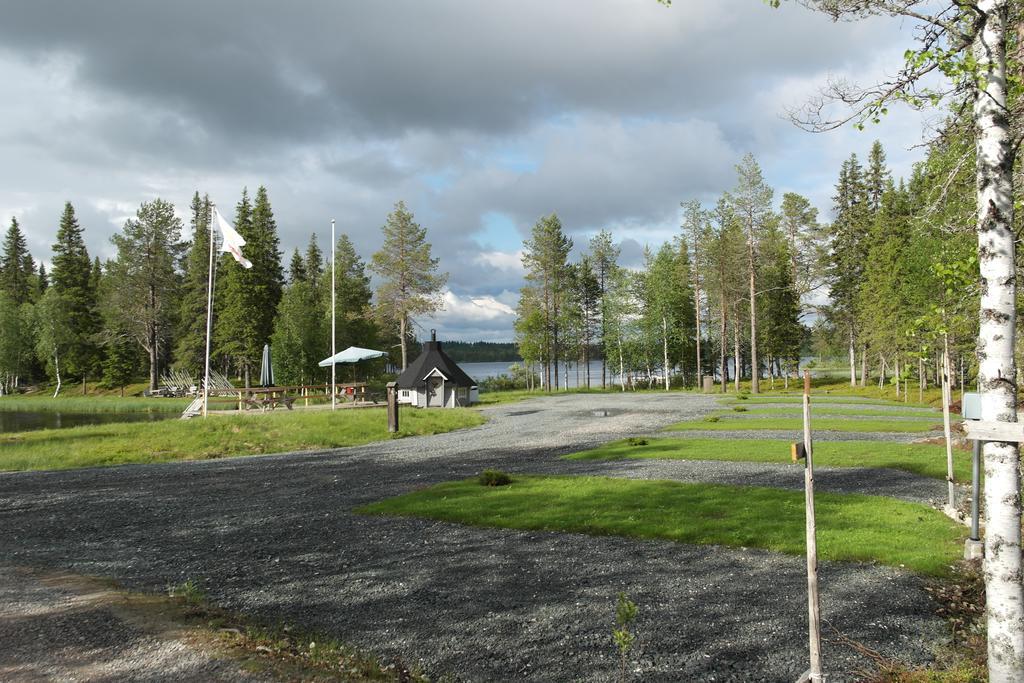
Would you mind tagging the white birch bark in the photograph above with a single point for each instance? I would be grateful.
(664, 348)
(997, 368)
(853, 362)
(56, 368)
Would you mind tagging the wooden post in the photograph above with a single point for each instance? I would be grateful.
(392, 394)
(813, 610)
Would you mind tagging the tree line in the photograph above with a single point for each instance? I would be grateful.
(750, 285)
(147, 306)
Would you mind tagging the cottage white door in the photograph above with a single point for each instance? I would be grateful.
(434, 392)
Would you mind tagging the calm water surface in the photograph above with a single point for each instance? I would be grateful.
(24, 420)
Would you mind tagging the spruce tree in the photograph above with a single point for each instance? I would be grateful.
(72, 280)
(411, 284)
(297, 268)
(190, 342)
(353, 313)
(42, 281)
(545, 257)
(605, 255)
(17, 269)
(250, 296)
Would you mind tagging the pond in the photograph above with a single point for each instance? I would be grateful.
(26, 420)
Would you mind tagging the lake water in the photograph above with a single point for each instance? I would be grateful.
(481, 371)
(23, 420)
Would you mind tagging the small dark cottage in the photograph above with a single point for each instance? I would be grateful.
(434, 380)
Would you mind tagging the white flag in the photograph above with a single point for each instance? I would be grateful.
(233, 242)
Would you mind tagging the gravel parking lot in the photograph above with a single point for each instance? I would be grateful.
(274, 536)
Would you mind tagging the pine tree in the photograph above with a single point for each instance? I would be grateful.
(72, 280)
(190, 337)
(751, 203)
(605, 255)
(545, 258)
(877, 177)
(17, 269)
(411, 285)
(299, 335)
(143, 283)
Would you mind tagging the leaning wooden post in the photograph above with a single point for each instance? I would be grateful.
(813, 610)
(392, 395)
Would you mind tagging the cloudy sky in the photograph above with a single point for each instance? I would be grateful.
(482, 116)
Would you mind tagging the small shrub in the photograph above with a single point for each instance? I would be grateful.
(625, 614)
(189, 592)
(740, 409)
(494, 478)
(743, 397)
(636, 441)
(711, 418)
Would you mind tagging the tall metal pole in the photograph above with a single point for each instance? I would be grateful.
(813, 609)
(209, 313)
(334, 366)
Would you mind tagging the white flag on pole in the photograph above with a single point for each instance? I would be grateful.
(233, 242)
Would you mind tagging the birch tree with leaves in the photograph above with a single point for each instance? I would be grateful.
(966, 44)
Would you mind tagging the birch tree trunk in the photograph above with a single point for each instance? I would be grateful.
(401, 335)
(725, 363)
(853, 361)
(863, 365)
(755, 371)
(664, 348)
(696, 304)
(56, 369)
(622, 367)
(997, 367)
(736, 359)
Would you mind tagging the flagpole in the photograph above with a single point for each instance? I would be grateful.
(334, 366)
(209, 314)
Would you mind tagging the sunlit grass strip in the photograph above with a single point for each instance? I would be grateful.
(91, 404)
(922, 459)
(819, 424)
(216, 437)
(831, 409)
(850, 527)
(817, 399)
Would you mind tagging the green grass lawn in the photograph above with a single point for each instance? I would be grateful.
(817, 399)
(732, 423)
(923, 459)
(91, 404)
(826, 410)
(216, 437)
(850, 527)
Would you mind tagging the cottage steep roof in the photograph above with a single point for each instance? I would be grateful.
(433, 357)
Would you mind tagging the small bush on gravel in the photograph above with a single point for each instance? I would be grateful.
(625, 614)
(711, 418)
(188, 592)
(494, 478)
(740, 409)
(743, 397)
(636, 441)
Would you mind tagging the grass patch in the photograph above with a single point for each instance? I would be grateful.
(922, 459)
(827, 410)
(91, 404)
(817, 399)
(850, 527)
(725, 424)
(216, 437)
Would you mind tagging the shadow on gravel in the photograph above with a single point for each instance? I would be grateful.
(274, 537)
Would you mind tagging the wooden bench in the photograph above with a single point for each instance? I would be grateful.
(265, 403)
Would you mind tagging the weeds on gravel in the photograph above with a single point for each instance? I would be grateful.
(494, 478)
(189, 592)
(285, 652)
(625, 613)
(926, 460)
(961, 601)
(636, 441)
(217, 437)
(850, 527)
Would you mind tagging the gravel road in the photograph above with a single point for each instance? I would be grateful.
(274, 536)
